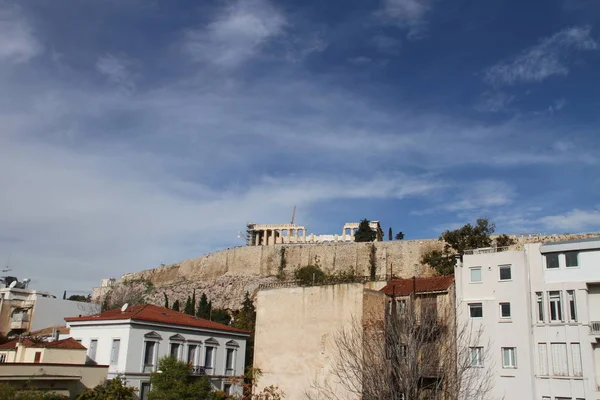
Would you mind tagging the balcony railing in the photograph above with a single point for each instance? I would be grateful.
(594, 327)
(197, 371)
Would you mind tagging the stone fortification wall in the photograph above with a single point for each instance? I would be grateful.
(226, 275)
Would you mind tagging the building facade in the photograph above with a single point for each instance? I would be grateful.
(27, 310)
(132, 342)
(538, 310)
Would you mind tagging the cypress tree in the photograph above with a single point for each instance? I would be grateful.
(166, 300)
(189, 308)
(203, 307)
(390, 237)
(176, 306)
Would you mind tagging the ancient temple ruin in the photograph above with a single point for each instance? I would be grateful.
(270, 234)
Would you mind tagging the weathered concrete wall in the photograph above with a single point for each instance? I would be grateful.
(226, 275)
(296, 353)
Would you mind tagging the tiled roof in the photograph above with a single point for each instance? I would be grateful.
(404, 287)
(66, 344)
(152, 313)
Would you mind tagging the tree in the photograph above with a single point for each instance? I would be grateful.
(114, 389)
(176, 306)
(221, 316)
(399, 236)
(166, 300)
(309, 275)
(79, 297)
(409, 347)
(189, 308)
(390, 237)
(203, 307)
(193, 302)
(174, 382)
(459, 241)
(246, 319)
(65, 295)
(132, 293)
(364, 232)
(10, 392)
(504, 241)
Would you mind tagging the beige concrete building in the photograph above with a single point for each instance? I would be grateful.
(270, 234)
(57, 366)
(295, 331)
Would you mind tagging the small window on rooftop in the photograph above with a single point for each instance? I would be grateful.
(552, 260)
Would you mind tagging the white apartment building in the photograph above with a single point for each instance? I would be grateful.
(131, 342)
(540, 313)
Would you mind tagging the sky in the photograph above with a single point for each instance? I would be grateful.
(141, 132)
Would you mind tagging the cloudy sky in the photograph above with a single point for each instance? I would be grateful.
(141, 132)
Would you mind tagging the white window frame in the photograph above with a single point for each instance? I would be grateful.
(557, 260)
(558, 307)
(512, 351)
(571, 306)
(475, 305)
(539, 296)
(155, 338)
(95, 349)
(543, 359)
(476, 356)
(576, 257)
(576, 357)
(213, 350)
(471, 275)
(503, 267)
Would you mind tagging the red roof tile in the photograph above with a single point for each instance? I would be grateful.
(404, 287)
(152, 313)
(66, 344)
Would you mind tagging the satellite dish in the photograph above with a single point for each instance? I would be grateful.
(124, 307)
(12, 284)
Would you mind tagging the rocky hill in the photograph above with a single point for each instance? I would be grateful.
(226, 275)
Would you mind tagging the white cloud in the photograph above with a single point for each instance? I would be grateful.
(495, 102)
(18, 43)
(548, 58)
(116, 70)
(483, 195)
(236, 34)
(407, 14)
(574, 220)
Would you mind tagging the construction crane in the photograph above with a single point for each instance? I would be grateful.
(293, 215)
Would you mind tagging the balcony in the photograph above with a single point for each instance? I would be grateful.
(197, 371)
(19, 321)
(595, 328)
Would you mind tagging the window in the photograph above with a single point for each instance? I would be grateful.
(555, 306)
(476, 310)
(576, 356)
(540, 306)
(429, 309)
(114, 352)
(149, 353)
(38, 356)
(505, 272)
(560, 366)
(208, 357)
(572, 258)
(504, 310)
(2, 358)
(476, 356)
(230, 361)
(191, 357)
(93, 347)
(509, 357)
(552, 260)
(543, 358)
(475, 274)
(144, 391)
(174, 351)
(572, 305)
(227, 388)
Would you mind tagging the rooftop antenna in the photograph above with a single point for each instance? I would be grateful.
(293, 215)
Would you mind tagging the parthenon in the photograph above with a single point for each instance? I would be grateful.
(270, 234)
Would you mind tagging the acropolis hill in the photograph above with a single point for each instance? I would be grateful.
(225, 276)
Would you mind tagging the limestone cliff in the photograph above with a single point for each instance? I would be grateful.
(226, 275)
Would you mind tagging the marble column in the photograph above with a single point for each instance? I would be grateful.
(265, 237)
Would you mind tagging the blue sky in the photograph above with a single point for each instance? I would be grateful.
(140, 132)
